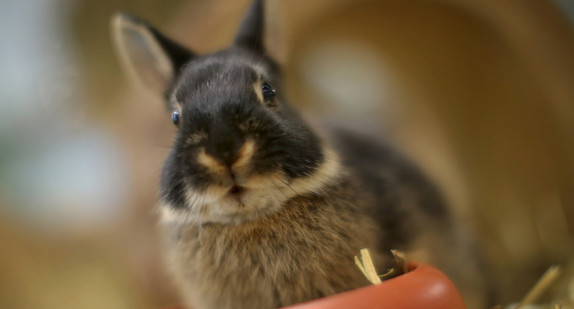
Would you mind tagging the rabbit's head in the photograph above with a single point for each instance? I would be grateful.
(240, 151)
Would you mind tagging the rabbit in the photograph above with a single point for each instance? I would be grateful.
(260, 210)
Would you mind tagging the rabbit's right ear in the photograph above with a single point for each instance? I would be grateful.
(146, 54)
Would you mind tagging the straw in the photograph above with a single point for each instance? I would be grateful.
(366, 266)
(541, 286)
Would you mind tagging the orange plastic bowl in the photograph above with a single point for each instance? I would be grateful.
(422, 287)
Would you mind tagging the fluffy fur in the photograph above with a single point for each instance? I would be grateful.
(261, 212)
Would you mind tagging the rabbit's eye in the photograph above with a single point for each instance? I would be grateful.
(268, 92)
(175, 117)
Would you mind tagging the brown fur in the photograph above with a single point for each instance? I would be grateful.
(302, 252)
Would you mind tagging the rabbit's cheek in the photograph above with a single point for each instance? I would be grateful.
(327, 172)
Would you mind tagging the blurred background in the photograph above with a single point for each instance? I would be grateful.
(479, 92)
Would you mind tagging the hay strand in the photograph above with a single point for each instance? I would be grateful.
(541, 286)
(366, 265)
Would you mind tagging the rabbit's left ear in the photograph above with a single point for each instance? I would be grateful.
(148, 56)
(251, 31)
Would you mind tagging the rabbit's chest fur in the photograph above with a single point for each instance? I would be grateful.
(303, 252)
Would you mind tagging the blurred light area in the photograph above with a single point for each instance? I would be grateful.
(350, 75)
(36, 65)
(78, 181)
(55, 172)
(567, 7)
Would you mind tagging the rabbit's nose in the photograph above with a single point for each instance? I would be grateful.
(224, 143)
(224, 151)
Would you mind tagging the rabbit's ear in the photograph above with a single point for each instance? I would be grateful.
(251, 31)
(148, 56)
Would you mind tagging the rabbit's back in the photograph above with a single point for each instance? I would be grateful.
(412, 214)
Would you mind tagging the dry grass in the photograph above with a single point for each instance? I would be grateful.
(365, 264)
(554, 290)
